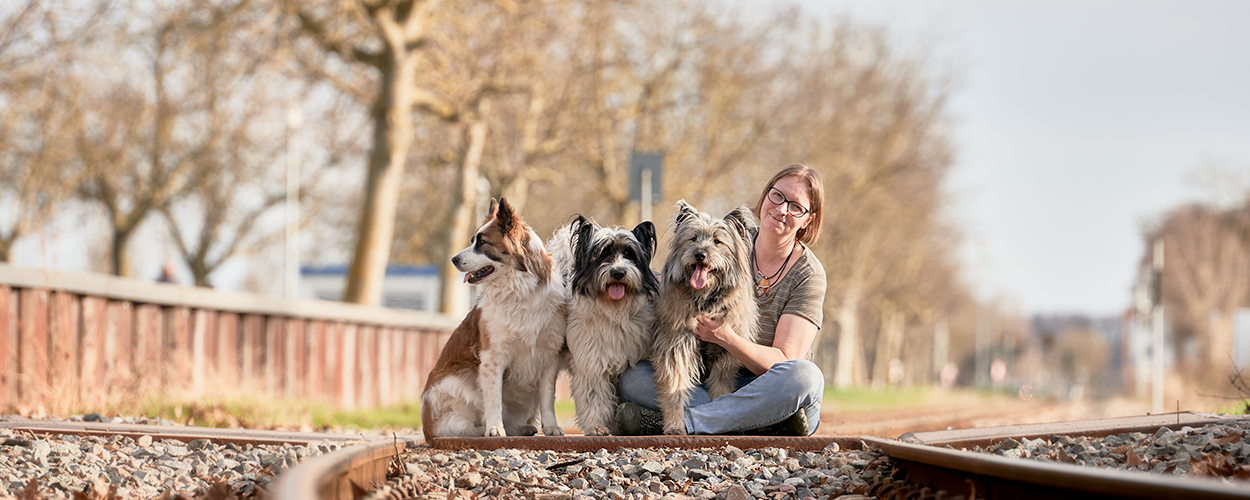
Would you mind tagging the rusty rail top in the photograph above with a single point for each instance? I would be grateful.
(181, 433)
(989, 436)
(992, 477)
(613, 443)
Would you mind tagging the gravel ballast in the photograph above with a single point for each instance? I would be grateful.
(1219, 450)
(60, 466)
(643, 473)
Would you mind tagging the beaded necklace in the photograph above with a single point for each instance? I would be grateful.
(766, 282)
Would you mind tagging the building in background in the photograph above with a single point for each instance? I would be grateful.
(405, 287)
(1241, 339)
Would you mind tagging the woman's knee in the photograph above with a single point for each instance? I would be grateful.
(806, 376)
(637, 383)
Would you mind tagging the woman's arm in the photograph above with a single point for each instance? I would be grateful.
(792, 340)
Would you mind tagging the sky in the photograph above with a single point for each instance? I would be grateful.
(1075, 123)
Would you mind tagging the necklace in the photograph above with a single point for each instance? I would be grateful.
(765, 282)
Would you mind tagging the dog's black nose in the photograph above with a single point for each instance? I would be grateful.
(455, 261)
(700, 256)
(618, 274)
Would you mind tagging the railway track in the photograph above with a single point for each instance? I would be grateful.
(929, 465)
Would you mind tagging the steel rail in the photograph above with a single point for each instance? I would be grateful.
(979, 475)
(613, 443)
(345, 474)
(181, 433)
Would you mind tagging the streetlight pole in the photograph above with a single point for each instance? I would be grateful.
(1156, 396)
(294, 120)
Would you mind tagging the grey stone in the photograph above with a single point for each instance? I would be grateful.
(469, 480)
(737, 492)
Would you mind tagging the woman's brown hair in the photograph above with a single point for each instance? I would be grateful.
(815, 189)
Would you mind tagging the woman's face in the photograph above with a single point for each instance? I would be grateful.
(776, 217)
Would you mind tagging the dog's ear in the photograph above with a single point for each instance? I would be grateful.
(741, 221)
(684, 212)
(506, 216)
(583, 232)
(645, 232)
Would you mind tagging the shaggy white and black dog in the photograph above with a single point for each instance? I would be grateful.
(707, 272)
(496, 376)
(610, 284)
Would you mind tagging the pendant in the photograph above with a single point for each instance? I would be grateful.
(760, 290)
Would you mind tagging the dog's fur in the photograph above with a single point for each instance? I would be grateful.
(610, 288)
(497, 373)
(707, 272)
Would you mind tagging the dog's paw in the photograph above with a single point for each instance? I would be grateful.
(596, 430)
(554, 430)
(675, 430)
(496, 431)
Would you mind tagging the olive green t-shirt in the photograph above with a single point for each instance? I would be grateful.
(800, 292)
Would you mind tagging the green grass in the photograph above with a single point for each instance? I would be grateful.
(259, 412)
(269, 413)
(868, 399)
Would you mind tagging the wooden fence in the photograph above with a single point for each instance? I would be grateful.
(83, 340)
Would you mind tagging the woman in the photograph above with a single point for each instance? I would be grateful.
(779, 388)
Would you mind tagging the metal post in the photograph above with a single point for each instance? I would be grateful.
(982, 377)
(294, 119)
(1156, 396)
(646, 194)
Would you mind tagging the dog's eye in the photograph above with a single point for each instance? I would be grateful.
(694, 238)
(716, 240)
(629, 254)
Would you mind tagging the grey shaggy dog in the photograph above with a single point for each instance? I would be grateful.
(707, 272)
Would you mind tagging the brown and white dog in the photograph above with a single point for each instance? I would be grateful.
(497, 373)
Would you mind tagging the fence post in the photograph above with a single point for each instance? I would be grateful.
(32, 347)
(8, 330)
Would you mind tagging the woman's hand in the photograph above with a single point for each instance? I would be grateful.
(714, 331)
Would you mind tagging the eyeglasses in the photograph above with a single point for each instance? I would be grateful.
(794, 209)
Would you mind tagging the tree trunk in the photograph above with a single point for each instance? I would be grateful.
(848, 371)
(463, 209)
(392, 135)
(120, 265)
(889, 344)
(6, 250)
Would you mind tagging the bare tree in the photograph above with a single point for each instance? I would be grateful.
(873, 121)
(137, 136)
(387, 37)
(37, 110)
(1204, 282)
(244, 90)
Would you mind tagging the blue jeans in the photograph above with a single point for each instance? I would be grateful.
(784, 389)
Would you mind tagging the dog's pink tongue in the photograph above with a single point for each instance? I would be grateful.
(699, 279)
(616, 291)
